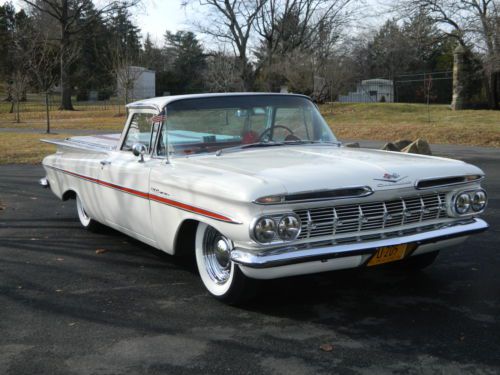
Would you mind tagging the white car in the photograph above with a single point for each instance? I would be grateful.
(258, 187)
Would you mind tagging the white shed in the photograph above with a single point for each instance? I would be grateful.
(141, 83)
(371, 91)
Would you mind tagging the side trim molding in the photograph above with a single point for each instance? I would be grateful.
(151, 197)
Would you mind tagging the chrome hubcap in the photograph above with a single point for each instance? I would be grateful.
(216, 254)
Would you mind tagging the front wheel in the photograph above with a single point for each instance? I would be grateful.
(87, 222)
(222, 278)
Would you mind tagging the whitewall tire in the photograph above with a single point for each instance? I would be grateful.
(86, 221)
(222, 278)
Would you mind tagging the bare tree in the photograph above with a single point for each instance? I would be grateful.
(43, 57)
(222, 74)
(19, 85)
(121, 66)
(233, 21)
(73, 17)
(285, 25)
(475, 24)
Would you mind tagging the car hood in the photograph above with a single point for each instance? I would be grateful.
(291, 169)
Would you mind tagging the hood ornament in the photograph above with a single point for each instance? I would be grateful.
(390, 177)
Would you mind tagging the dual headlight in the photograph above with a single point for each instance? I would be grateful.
(470, 202)
(269, 229)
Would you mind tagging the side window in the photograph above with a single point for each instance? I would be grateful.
(139, 131)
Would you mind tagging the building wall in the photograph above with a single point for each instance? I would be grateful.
(370, 91)
(144, 83)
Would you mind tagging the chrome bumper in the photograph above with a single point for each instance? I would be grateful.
(294, 255)
(44, 182)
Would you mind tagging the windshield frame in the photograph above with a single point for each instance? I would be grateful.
(271, 99)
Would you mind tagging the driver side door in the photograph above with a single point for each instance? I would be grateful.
(124, 180)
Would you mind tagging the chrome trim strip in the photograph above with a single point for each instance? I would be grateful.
(44, 182)
(78, 144)
(445, 185)
(368, 191)
(294, 255)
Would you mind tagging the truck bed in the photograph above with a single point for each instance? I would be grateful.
(96, 143)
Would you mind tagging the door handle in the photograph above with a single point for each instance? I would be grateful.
(105, 162)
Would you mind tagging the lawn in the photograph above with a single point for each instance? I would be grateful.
(25, 148)
(389, 122)
(90, 119)
(360, 121)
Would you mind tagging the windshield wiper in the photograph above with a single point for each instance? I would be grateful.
(307, 142)
(249, 145)
(273, 143)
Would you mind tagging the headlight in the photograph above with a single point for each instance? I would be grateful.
(265, 230)
(462, 203)
(289, 227)
(478, 201)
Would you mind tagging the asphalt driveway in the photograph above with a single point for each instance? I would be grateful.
(74, 302)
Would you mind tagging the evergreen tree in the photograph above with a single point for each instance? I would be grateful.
(187, 62)
(7, 27)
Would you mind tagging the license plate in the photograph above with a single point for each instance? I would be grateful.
(388, 254)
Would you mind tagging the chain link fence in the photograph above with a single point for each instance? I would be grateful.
(425, 87)
(36, 103)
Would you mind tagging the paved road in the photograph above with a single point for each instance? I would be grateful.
(65, 309)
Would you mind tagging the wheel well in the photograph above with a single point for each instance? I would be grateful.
(69, 194)
(186, 238)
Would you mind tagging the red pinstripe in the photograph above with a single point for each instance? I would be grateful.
(152, 197)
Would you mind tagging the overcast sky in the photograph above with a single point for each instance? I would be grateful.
(157, 16)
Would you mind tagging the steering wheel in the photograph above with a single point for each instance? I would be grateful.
(268, 130)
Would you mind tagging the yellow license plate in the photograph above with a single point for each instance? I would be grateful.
(388, 254)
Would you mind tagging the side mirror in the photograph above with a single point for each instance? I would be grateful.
(138, 149)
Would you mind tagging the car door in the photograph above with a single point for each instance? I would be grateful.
(124, 179)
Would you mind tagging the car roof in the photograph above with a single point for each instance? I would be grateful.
(160, 102)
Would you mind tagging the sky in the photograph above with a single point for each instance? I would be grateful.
(157, 16)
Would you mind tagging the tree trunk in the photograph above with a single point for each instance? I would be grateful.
(18, 116)
(47, 111)
(493, 90)
(66, 103)
(247, 75)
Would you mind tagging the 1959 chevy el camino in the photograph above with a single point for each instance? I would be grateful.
(258, 187)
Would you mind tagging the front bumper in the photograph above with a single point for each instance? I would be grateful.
(294, 260)
(44, 182)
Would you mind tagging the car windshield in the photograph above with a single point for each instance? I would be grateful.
(210, 124)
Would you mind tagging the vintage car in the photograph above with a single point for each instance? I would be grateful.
(256, 186)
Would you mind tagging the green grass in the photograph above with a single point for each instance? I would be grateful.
(392, 121)
(25, 148)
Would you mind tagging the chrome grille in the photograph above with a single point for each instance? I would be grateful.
(355, 218)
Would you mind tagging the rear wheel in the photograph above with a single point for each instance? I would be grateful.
(87, 222)
(222, 278)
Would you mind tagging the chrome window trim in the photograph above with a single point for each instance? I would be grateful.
(131, 115)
